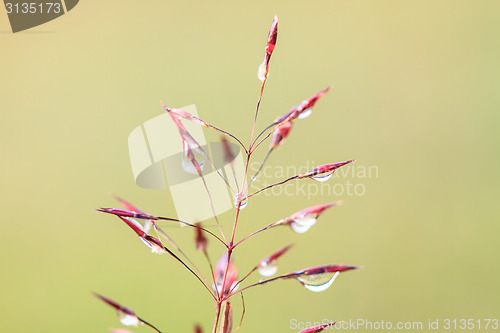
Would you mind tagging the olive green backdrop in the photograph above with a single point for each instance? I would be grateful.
(416, 96)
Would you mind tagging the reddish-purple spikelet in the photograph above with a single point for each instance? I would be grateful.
(200, 238)
(280, 134)
(318, 328)
(129, 206)
(127, 213)
(153, 243)
(317, 210)
(284, 123)
(325, 269)
(231, 276)
(324, 169)
(138, 230)
(181, 114)
(115, 305)
(270, 45)
(228, 153)
(306, 104)
(279, 253)
(126, 315)
(272, 37)
(314, 210)
(197, 329)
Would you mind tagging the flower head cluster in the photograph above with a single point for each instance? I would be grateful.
(223, 281)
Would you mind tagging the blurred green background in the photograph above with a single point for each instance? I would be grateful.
(416, 96)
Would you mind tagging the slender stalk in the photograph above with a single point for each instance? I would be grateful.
(192, 226)
(217, 316)
(190, 270)
(264, 138)
(264, 130)
(261, 166)
(286, 276)
(148, 324)
(243, 279)
(230, 135)
(212, 206)
(213, 166)
(211, 272)
(272, 185)
(242, 313)
(230, 251)
(171, 241)
(254, 233)
(256, 113)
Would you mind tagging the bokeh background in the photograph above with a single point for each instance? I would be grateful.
(416, 95)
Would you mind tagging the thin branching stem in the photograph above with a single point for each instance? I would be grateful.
(265, 138)
(263, 131)
(190, 270)
(230, 250)
(230, 135)
(280, 277)
(171, 241)
(217, 316)
(244, 278)
(242, 312)
(255, 232)
(255, 117)
(261, 166)
(148, 324)
(192, 226)
(205, 155)
(212, 207)
(272, 185)
(211, 272)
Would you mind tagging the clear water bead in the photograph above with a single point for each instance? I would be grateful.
(262, 71)
(303, 224)
(240, 199)
(127, 319)
(187, 164)
(323, 178)
(318, 282)
(304, 114)
(268, 269)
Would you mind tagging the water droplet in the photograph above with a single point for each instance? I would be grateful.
(147, 225)
(234, 287)
(218, 287)
(187, 165)
(154, 247)
(261, 72)
(268, 269)
(128, 319)
(323, 178)
(318, 282)
(240, 197)
(303, 224)
(136, 223)
(304, 114)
